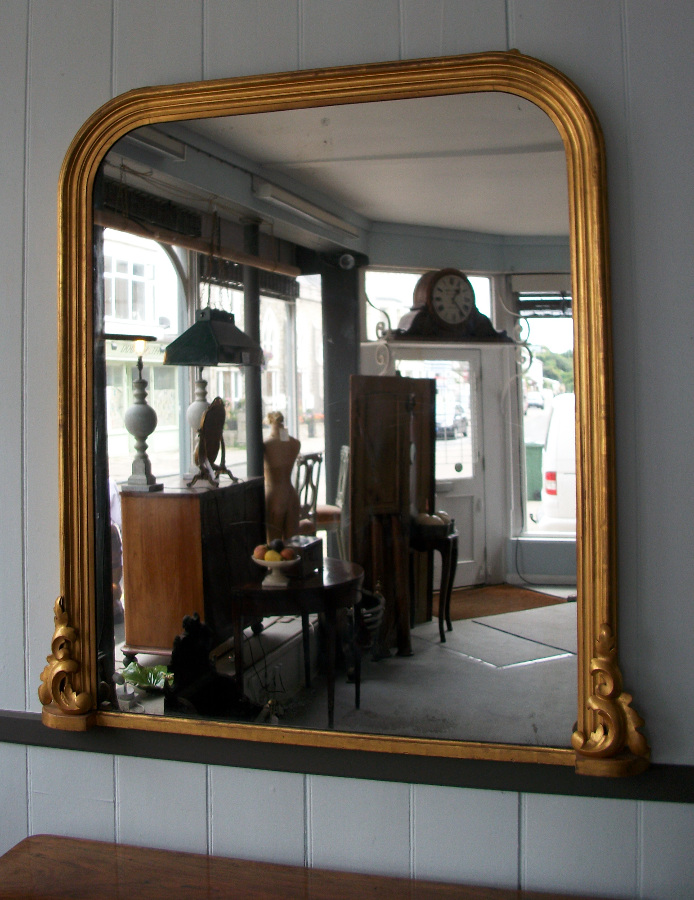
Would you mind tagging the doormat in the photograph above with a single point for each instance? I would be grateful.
(493, 599)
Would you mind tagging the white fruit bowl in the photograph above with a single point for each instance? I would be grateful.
(276, 570)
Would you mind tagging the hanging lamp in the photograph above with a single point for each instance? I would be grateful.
(213, 340)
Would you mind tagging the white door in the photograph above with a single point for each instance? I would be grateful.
(459, 446)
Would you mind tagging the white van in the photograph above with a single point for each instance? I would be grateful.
(558, 509)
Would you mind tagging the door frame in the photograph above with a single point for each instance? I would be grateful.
(503, 467)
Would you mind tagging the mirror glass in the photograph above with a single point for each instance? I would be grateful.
(474, 181)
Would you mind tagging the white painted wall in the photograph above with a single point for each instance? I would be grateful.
(59, 61)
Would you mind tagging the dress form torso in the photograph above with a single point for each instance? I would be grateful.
(281, 497)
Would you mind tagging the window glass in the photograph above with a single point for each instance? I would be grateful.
(455, 415)
(115, 397)
(141, 296)
(121, 310)
(228, 382)
(549, 425)
(291, 336)
(275, 341)
(164, 395)
(138, 307)
(222, 297)
(140, 284)
(309, 364)
(141, 291)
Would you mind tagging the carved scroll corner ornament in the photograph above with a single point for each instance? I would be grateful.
(382, 354)
(616, 746)
(63, 707)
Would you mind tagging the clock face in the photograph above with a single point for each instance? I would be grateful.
(452, 298)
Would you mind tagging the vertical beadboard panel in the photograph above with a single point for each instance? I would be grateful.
(338, 34)
(157, 42)
(251, 38)
(71, 793)
(466, 836)
(161, 804)
(666, 869)
(582, 40)
(69, 77)
(257, 815)
(661, 235)
(359, 826)
(13, 28)
(443, 27)
(13, 795)
(588, 846)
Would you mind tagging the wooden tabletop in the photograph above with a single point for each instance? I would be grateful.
(334, 573)
(50, 867)
(329, 589)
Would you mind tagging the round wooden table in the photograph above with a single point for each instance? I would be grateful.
(336, 586)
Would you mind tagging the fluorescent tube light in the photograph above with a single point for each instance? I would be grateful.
(264, 190)
(157, 140)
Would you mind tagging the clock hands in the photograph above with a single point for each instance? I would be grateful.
(454, 299)
(455, 302)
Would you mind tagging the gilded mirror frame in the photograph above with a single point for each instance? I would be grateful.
(606, 739)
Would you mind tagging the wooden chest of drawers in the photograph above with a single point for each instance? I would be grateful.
(182, 551)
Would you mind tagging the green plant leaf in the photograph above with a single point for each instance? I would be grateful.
(148, 677)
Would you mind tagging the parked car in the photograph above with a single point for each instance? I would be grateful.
(460, 421)
(451, 423)
(445, 427)
(558, 508)
(535, 399)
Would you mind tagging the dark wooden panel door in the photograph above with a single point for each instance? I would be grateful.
(391, 478)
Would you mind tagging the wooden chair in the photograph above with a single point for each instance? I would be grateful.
(326, 516)
(307, 479)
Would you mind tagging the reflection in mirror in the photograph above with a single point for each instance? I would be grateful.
(275, 198)
(405, 187)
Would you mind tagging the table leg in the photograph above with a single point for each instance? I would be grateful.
(330, 638)
(356, 645)
(382, 640)
(411, 570)
(453, 563)
(443, 587)
(400, 555)
(307, 649)
(238, 653)
(449, 559)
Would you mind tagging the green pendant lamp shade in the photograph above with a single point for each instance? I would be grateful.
(213, 340)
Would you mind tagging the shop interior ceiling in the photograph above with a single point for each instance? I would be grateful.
(488, 163)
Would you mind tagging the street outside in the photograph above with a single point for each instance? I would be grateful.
(536, 423)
